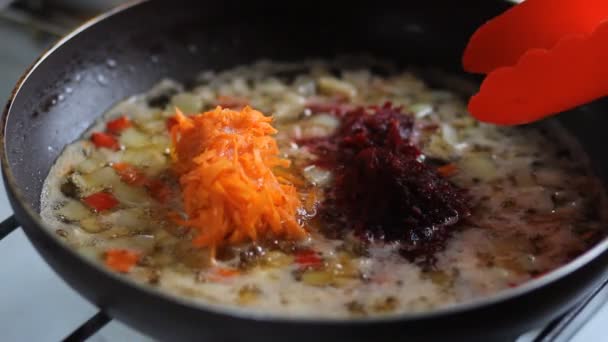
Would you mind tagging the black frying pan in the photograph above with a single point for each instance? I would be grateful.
(156, 39)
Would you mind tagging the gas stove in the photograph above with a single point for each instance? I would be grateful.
(36, 305)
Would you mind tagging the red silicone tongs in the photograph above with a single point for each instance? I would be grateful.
(541, 57)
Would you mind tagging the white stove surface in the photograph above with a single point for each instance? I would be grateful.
(35, 304)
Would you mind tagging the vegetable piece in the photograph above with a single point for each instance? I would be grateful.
(378, 172)
(480, 166)
(74, 211)
(194, 257)
(188, 102)
(131, 195)
(308, 258)
(101, 201)
(534, 24)
(334, 86)
(118, 125)
(104, 140)
(447, 170)
(121, 260)
(225, 159)
(98, 180)
(546, 82)
(92, 225)
(152, 126)
(131, 137)
(277, 259)
(317, 175)
(317, 278)
(129, 174)
(89, 165)
(132, 218)
(150, 160)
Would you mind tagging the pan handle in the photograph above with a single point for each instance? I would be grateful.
(7, 226)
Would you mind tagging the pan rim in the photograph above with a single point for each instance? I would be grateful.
(233, 312)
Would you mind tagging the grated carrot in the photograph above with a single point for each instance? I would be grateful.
(224, 159)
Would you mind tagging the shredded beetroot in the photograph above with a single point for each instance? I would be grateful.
(382, 190)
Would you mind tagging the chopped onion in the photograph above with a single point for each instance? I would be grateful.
(161, 141)
(479, 166)
(449, 134)
(305, 86)
(439, 148)
(133, 218)
(153, 126)
(106, 155)
(101, 179)
(187, 102)
(74, 211)
(317, 278)
(239, 85)
(317, 176)
(131, 137)
(272, 86)
(151, 160)
(131, 195)
(89, 165)
(421, 110)
(289, 108)
(277, 259)
(334, 86)
(92, 225)
(207, 95)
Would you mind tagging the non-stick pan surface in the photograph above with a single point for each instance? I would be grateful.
(128, 50)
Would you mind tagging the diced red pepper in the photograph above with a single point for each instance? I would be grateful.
(121, 260)
(546, 82)
(101, 201)
(159, 190)
(448, 170)
(105, 140)
(130, 174)
(308, 258)
(118, 125)
(532, 24)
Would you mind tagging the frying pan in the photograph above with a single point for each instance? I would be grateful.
(128, 49)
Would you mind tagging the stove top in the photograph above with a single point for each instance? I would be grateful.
(38, 306)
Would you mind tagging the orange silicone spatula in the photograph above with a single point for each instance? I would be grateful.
(560, 60)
